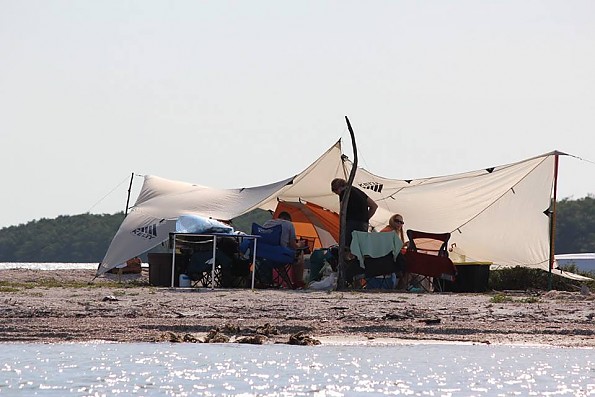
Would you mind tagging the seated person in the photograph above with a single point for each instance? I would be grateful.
(395, 224)
(288, 239)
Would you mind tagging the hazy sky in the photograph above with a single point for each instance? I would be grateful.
(243, 93)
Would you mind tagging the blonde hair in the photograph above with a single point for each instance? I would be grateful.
(392, 223)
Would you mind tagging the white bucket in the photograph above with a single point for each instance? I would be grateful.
(184, 280)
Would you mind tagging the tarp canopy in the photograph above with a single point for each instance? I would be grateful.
(498, 214)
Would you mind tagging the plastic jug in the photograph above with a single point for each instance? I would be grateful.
(184, 281)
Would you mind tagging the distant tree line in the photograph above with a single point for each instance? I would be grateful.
(76, 238)
(575, 226)
(86, 237)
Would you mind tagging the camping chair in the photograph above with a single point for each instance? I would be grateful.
(273, 261)
(377, 252)
(235, 270)
(200, 265)
(427, 257)
(309, 244)
(319, 258)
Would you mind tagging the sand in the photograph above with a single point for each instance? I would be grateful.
(132, 311)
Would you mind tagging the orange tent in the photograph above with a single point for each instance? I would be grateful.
(312, 222)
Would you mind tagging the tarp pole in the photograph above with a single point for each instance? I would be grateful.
(214, 260)
(253, 264)
(173, 261)
(553, 223)
(343, 212)
(128, 199)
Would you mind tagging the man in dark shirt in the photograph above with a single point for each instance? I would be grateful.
(360, 208)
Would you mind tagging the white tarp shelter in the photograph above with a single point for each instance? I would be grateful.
(497, 215)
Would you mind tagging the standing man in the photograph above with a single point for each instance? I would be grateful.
(360, 208)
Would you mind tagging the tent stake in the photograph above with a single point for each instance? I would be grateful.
(343, 212)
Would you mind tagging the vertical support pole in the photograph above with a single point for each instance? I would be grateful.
(553, 223)
(253, 262)
(214, 260)
(173, 261)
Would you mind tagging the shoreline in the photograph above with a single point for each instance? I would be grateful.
(36, 308)
(324, 341)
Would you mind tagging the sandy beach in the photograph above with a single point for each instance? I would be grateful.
(59, 306)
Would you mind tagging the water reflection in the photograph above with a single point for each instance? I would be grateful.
(104, 369)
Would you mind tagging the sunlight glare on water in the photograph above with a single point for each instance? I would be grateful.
(143, 369)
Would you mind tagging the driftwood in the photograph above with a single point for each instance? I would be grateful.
(341, 282)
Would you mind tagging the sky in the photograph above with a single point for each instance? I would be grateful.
(244, 93)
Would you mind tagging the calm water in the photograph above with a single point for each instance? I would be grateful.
(142, 369)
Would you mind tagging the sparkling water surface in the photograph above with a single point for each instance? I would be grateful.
(145, 369)
(46, 266)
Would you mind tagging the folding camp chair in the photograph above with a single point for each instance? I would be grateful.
(235, 270)
(309, 243)
(427, 258)
(200, 265)
(273, 261)
(322, 256)
(377, 252)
